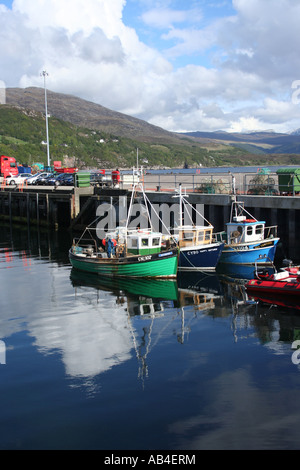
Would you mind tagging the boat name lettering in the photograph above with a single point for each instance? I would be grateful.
(196, 252)
(165, 254)
(144, 258)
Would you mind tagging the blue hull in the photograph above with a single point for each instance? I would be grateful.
(204, 257)
(255, 253)
(240, 271)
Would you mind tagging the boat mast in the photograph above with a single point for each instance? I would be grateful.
(180, 207)
(184, 202)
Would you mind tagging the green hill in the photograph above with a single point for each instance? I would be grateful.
(22, 133)
(86, 134)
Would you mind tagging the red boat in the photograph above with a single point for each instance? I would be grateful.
(293, 271)
(278, 300)
(277, 284)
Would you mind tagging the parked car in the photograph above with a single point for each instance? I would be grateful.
(59, 180)
(17, 179)
(50, 180)
(65, 179)
(35, 179)
(44, 180)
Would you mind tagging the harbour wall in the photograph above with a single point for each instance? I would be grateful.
(74, 208)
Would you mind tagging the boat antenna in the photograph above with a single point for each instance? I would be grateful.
(185, 201)
(138, 185)
(130, 205)
(157, 215)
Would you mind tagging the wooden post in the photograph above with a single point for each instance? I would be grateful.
(37, 209)
(47, 208)
(9, 205)
(28, 208)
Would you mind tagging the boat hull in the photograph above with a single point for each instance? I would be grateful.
(261, 253)
(204, 257)
(273, 287)
(280, 300)
(160, 265)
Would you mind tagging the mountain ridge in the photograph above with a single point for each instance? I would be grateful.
(267, 142)
(85, 113)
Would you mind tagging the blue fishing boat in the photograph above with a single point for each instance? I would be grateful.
(247, 240)
(198, 247)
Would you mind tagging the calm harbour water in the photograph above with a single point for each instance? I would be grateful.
(189, 365)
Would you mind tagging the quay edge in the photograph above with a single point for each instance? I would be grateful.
(74, 208)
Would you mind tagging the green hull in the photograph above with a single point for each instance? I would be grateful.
(156, 265)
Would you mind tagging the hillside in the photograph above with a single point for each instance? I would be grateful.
(86, 114)
(255, 142)
(90, 135)
(23, 135)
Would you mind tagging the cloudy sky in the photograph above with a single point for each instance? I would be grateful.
(184, 65)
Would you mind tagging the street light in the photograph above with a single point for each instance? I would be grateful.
(44, 74)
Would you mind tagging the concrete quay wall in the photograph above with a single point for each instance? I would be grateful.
(74, 208)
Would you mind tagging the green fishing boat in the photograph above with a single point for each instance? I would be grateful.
(122, 263)
(124, 252)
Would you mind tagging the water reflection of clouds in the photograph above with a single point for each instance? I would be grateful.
(91, 336)
(90, 333)
(238, 414)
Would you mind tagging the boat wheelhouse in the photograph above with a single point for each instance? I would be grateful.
(247, 240)
(198, 248)
(144, 242)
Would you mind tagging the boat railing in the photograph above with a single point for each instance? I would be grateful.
(218, 237)
(264, 272)
(87, 246)
(271, 232)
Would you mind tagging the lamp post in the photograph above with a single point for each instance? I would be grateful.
(44, 74)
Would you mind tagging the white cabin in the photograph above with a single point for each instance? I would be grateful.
(144, 242)
(243, 230)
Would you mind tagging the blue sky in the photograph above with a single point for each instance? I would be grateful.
(184, 65)
(161, 25)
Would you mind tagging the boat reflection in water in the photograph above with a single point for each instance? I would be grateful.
(176, 293)
(155, 308)
(198, 289)
(285, 302)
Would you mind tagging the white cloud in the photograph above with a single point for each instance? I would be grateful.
(211, 72)
(247, 124)
(271, 29)
(73, 15)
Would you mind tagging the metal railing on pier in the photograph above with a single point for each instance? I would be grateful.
(221, 183)
(262, 183)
